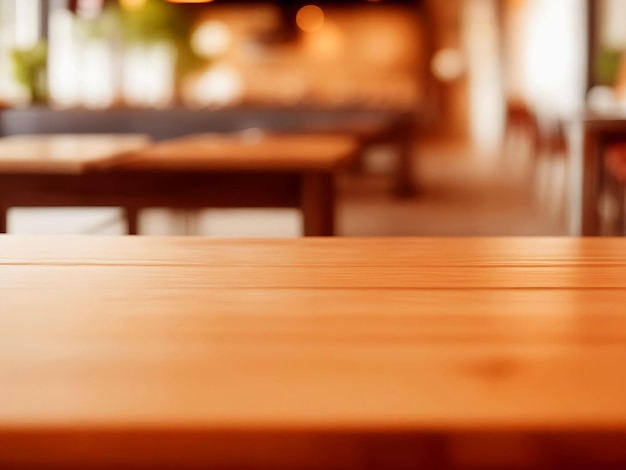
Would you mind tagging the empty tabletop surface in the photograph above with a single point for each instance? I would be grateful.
(249, 150)
(298, 335)
(63, 153)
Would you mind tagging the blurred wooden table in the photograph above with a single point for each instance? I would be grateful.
(311, 353)
(397, 128)
(35, 170)
(64, 153)
(224, 171)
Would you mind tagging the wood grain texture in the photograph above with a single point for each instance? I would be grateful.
(357, 252)
(285, 152)
(110, 347)
(320, 277)
(63, 153)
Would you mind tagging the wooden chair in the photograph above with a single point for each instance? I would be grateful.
(548, 147)
(547, 137)
(553, 156)
(521, 122)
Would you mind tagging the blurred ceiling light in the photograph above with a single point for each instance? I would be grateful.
(448, 65)
(310, 18)
(210, 39)
(132, 4)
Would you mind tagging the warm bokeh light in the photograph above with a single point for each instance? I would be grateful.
(190, 1)
(132, 4)
(327, 43)
(220, 85)
(148, 75)
(448, 64)
(210, 39)
(310, 18)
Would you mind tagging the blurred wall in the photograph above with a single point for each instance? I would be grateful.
(368, 54)
(448, 93)
(482, 41)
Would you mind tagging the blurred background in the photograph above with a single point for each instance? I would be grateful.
(490, 91)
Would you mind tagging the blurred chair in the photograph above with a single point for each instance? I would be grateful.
(543, 136)
(554, 160)
(521, 125)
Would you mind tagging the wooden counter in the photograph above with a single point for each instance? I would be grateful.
(311, 353)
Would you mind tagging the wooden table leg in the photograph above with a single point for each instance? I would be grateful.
(438, 452)
(592, 159)
(132, 220)
(394, 451)
(621, 207)
(404, 135)
(318, 204)
(615, 191)
(3, 220)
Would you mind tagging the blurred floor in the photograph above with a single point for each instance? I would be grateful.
(461, 193)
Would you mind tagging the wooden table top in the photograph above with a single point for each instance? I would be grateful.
(129, 336)
(63, 153)
(244, 151)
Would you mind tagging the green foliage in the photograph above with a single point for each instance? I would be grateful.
(161, 21)
(157, 21)
(29, 68)
(607, 66)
